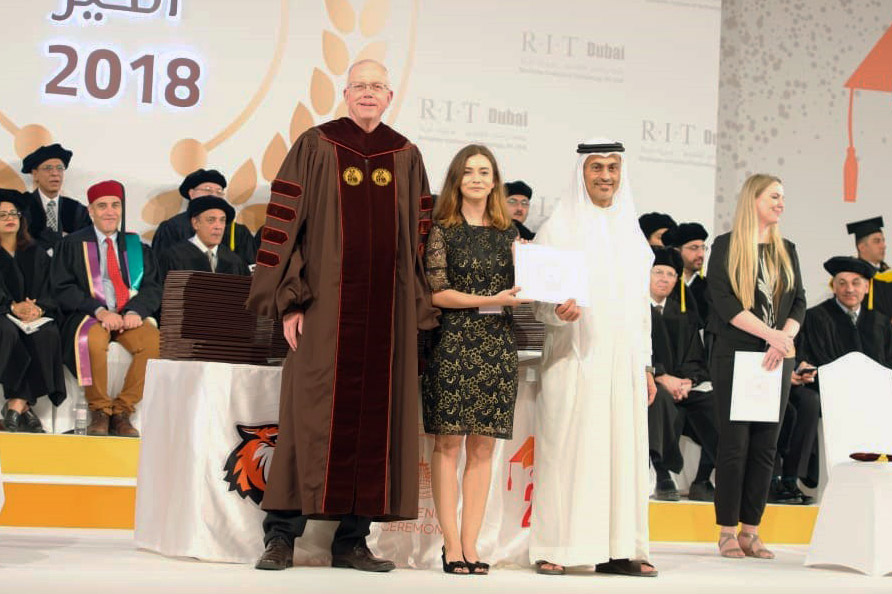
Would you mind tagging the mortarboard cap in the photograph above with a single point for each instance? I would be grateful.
(668, 257)
(45, 153)
(518, 188)
(864, 228)
(838, 264)
(19, 199)
(198, 177)
(203, 203)
(683, 233)
(654, 221)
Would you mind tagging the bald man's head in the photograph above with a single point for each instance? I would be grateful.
(368, 93)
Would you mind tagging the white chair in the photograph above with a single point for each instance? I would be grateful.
(855, 521)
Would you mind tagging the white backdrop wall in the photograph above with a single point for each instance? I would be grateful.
(784, 109)
(530, 79)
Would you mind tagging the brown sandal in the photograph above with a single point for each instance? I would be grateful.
(734, 552)
(751, 550)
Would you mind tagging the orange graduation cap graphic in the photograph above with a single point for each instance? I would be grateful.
(874, 74)
(523, 456)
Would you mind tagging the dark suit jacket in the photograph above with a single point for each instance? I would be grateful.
(73, 216)
(71, 287)
(725, 305)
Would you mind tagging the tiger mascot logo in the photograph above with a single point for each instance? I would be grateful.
(247, 467)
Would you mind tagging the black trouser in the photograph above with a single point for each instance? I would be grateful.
(746, 452)
(289, 525)
(669, 420)
(14, 358)
(664, 426)
(699, 423)
(800, 432)
(44, 374)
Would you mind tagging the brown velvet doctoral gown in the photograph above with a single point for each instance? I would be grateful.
(344, 231)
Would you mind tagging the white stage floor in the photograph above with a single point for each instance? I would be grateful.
(91, 561)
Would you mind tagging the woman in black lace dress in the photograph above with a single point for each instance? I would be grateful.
(470, 383)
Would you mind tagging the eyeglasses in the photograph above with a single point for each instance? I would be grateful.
(9, 214)
(360, 87)
(48, 168)
(696, 248)
(514, 202)
(218, 192)
(670, 274)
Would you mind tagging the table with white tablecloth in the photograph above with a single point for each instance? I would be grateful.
(208, 433)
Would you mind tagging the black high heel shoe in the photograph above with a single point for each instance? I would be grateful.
(454, 566)
(477, 567)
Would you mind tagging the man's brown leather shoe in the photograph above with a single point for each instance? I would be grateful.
(98, 423)
(361, 558)
(278, 555)
(120, 426)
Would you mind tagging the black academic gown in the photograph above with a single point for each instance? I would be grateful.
(692, 310)
(701, 297)
(26, 275)
(185, 255)
(828, 334)
(70, 286)
(678, 351)
(524, 231)
(179, 227)
(73, 216)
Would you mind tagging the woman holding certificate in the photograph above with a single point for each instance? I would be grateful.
(758, 305)
(469, 384)
(30, 347)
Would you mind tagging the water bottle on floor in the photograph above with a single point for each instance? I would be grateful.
(80, 416)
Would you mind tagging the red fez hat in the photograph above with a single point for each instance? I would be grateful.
(105, 188)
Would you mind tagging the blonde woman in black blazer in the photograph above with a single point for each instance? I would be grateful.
(758, 304)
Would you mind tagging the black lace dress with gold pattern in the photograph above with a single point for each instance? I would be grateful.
(469, 385)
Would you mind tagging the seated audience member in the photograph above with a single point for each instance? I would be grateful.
(50, 215)
(870, 243)
(107, 285)
(840, 325)
(690, 241)
(200, 183)
(518, 195)
(31, 362)
(209, 216)
(684, 403)
(653, 225)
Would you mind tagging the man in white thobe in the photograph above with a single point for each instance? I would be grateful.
(590, 499)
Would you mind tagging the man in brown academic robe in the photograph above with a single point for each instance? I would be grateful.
(340, 264)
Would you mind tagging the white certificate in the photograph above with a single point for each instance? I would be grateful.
(755, 392)
(550, 274)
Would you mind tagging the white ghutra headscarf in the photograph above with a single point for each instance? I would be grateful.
(618, 256)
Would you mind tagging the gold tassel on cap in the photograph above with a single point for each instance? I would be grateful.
(683, 291)
(232, 237)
